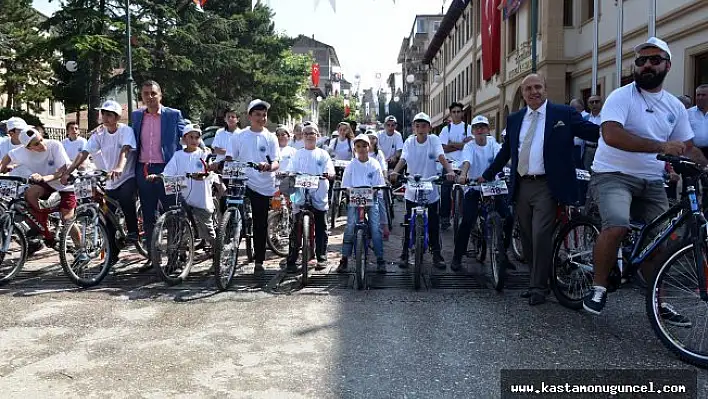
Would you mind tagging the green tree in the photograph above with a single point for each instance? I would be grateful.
(27, 73)
(331, 112)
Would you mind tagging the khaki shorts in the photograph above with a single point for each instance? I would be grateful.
(620, 197)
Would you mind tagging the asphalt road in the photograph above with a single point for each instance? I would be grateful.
(267, 338)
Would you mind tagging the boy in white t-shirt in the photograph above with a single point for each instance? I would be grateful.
(74, 144)
(453, 137)
(391, 142)
(198, 193)
(476, 157)
(113, 147)
(13, 126)
(363, 172)
(286, 152)
(257, 144)
(420, 152)
(223, 135)
(313, 161)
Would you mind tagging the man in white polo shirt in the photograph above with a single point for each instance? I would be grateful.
(639, 121)
(391, 141)
(453, 137)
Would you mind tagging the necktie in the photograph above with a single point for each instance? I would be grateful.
(523, 167)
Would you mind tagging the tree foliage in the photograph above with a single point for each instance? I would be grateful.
(331, 112)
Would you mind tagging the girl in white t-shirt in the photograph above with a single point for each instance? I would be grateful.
(341, 148)
(198, 193)
(297, 140)
(286, 151)
(363, 171)
(377, 154)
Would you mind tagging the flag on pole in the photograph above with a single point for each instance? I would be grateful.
(491, 39)
(199, 4)
(315, 74)
(511, 7)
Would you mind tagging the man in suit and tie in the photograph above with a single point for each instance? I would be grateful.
(539, 141)
(157, 135)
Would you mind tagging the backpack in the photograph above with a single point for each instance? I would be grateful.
(449, 127)
(336, 141)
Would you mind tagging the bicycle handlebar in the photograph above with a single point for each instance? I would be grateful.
(372, 187)
(17, 179)
(681, 160)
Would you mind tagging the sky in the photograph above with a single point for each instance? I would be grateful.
(366, 34)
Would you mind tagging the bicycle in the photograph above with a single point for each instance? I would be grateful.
(13, 242)
(685, 270)
(94, 213)
(337, 198)
(418, 240)
(362, 198)
(304, 221)
(279, 224)
(236, 223)
(176, 227)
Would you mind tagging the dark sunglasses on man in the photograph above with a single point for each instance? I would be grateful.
(653, 59)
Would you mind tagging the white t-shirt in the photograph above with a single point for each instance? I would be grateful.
(382, 160)
(479, 157)
(342, 150)
(314, 162)
(420, 160)
(197, 193)
(668, 122)
(390, 144)
(221, 140)
(286, 155)
(45, 162)
(455, 133)
(367, 174)
(250, 146)
(297, 144)
(6, 146)
(73, 148)
(105, 148)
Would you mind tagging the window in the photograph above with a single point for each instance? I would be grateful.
(512, 32)
(420, 26)
(52, 107)
(588, 10)
(436, 26)
(479, 73)
(471, 80)
(567, 12)
(701, 69)
(478, 17)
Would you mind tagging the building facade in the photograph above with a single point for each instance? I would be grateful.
(564, 53)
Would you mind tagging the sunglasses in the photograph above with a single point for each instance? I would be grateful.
(594, 102)
(391, 124)
(653, 59)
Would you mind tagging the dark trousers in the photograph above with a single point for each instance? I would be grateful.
(433, 226)
(125, 195)
(536, 210)
(260, 205)
(445, 199)
(470, 211)
(578, 156)
(151, 194)
(320, 238)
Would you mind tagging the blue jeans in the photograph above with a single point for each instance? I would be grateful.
(445, 199)
(470, 210)
(374, 230)
(151, 193)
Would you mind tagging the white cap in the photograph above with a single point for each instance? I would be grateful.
(479, 119)
(362, 137)
(111, 106)
(15, 123)
(335, 133)
(372, 133)
(28, 134)
(421, 117)
(191, 128)
(654, 42)
(256, 103)
(390, 118)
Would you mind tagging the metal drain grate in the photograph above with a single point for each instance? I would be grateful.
(456, 282)
(398, 280)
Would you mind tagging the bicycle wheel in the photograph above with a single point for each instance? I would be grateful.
(479, 239)
(389, 208)
(84, 249)
(572, 271)
(676, 287)
(172, 249)
(360, 257)
(334, 204)
(457, 196)
(516, 247)
(419, 250)
(13, 250)
(494, 242)
(140, 245)
(305, 236)
(226, 249)
(278, 232)
(248, 230)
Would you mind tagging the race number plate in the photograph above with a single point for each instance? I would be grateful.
(421, 185)
(307, 181)
(83, 189)
(233, 169)
(361, 197)
(497, 187)
(174, 184)
(341, 163)
(8, 189)
(583, 175)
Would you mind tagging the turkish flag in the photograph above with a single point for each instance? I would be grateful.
(491, 39)
(315, 74)
(200, 4)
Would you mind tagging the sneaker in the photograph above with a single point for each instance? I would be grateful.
(292, 268)
(147, 266)
(445, 223)
(438, 261)
(343, 267)
(456, 264)
(81, 259)
(131, 238)
(258, 269)
(381, 266)
(403, 260)
(321, 263)
(594, 302)
(672, 317)
(201, 245)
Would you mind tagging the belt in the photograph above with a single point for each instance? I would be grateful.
(533, 177)
(591, 145)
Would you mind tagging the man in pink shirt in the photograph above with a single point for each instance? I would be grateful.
(157, 134)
